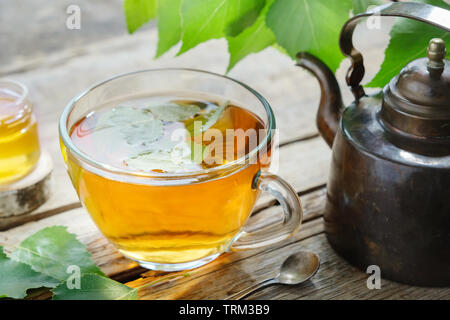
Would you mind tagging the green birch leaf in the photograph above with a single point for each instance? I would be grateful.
(174, 112)
(409, 41)
(143, 133)
(95, 287)
(139, 12)
(211, 19)
(123, 116)
(16, 278)
(360, 6)
(253, 39)
(182, 156)
(242, 14)
(177, 159)
(209, 119)
(310, 26)
(137, 125)
(52, 250)
(169, 25)
(205, 120)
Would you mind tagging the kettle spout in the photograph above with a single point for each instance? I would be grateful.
(331, 105)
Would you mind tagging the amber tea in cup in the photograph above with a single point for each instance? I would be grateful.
(169, 164)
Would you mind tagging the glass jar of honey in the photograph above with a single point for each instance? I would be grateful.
(19, 142)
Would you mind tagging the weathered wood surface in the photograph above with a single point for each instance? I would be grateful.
(57, 69)
(234, 271)
(335, 280)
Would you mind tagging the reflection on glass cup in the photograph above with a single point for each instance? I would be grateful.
(183, 219)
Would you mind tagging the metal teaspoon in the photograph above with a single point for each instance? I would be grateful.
(296, 269)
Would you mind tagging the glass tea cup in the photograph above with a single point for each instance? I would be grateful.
(178, 220)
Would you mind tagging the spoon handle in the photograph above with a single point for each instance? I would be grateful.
(252, 289)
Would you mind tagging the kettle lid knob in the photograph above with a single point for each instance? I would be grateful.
(436, 55)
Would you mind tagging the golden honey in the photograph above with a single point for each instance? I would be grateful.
(19, 143)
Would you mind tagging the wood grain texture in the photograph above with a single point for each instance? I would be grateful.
(114, 264)
(226, 275)
(234, 271)
(336, 278)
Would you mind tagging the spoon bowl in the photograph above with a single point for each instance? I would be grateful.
(297, 268)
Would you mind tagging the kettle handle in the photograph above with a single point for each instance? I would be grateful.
(418, 11)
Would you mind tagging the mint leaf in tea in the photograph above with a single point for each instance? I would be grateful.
(166, 134)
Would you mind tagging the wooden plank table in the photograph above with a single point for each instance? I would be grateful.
(55, 78)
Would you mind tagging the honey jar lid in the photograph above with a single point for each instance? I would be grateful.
(14, 103)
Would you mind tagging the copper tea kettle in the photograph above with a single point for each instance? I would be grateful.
(388, 193)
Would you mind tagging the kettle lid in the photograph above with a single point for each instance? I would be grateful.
(426, 82)
(416, 103)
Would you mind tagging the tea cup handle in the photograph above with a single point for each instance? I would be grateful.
(275, 232)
